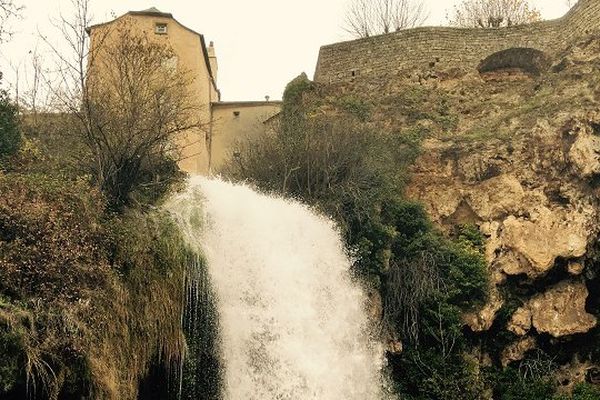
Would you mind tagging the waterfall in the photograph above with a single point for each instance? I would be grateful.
(292, 323)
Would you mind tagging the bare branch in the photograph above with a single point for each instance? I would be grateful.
(8, 10)
(493, 13)
(365, 18)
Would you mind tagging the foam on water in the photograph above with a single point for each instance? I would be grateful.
(292, 323)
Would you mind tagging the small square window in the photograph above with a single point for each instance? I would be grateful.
(160, 29)
(236, 113)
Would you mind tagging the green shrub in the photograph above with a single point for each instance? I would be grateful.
(356, 107)
(294, 91)
(10, 134)
(510, 384)
(470, 236)
(11, 359)
(424, 374)
(586, 391)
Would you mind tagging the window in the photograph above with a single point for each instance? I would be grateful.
(160, 29)
(236, 113)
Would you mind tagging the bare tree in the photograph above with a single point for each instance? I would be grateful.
(493, 13)
(139, 104)
(373, 17)
(8, 10)
(129, 100)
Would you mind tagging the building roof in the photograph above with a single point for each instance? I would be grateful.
(247, 103)
(154, 12)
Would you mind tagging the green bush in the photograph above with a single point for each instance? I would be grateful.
(510, 384)
(11, 359)
(10, 134)
(423, 374)
(356, 107)
(586, 391)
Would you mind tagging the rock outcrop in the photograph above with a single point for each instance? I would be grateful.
(533, 199)
(528, 177)
(559, 312)
(518, 156)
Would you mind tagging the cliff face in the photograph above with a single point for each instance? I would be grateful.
(533, 196)
(518, 156)
(526, 172)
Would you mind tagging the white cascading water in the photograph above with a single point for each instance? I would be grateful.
(292, 323)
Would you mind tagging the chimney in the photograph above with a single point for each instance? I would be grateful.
(212, 58)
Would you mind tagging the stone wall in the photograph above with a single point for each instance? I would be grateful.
(440, 48)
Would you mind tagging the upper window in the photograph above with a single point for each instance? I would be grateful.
(160, 29)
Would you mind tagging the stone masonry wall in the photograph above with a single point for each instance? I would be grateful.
(444, 48)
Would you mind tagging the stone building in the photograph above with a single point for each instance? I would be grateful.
(226, 122)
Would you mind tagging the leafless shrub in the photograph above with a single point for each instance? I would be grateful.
(130, 102)
(493, 13)
(8, 10)
(366, 18)
(409, 285)
(538, 366)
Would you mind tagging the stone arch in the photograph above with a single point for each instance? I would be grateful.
(528, 60)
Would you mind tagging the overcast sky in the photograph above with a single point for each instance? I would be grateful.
(260, 44)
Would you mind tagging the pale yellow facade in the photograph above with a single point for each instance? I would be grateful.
(202, 149)
(235, 122)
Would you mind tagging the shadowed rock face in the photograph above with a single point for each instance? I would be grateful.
(528, 60)
(517, 350)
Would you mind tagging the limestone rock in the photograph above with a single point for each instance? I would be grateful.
(496, 197)
(569, 375)
(517, 350)
(512, 263)
(584, 153)
(575, 267)
(483, 319)
(544, 239)
(374, 304)
(394, 347)
(560, 312)
(520, 322)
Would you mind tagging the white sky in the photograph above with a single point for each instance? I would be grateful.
(261, 44)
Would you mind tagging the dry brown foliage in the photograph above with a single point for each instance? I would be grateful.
(494, 13)
(366, 18)
(91, 300)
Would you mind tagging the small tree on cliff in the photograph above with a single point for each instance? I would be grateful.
(365, 18)
(493, 13)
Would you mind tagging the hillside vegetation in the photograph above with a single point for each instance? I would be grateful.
(91, 299)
